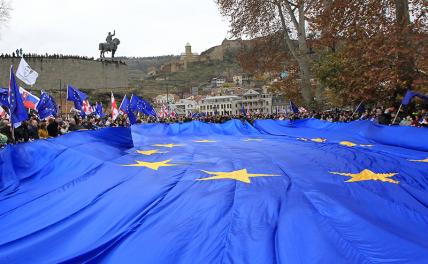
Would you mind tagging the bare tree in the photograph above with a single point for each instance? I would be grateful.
(4, 12)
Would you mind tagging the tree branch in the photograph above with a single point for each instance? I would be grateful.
(291, 13)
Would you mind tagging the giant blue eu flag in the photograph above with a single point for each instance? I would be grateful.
(305, 191)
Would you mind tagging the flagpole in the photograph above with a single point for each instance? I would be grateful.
(12, 130)
(356, 109)
(60, 96)
(396, 115)
(66, 102)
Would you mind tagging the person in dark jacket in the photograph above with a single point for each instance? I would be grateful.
(53, 128)
(33, 128)
(21, 132)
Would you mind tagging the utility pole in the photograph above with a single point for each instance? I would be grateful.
(60, 97)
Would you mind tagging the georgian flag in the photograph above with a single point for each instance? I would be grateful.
(114, 109)
(87, 108)
(302, 110)
(3, 113)
(248, 112)
(163, 112)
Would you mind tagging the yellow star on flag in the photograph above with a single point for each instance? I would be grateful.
(319, 140)
(352, 144)
(253, 139)
(152, 165)
(150, 152)
(204, 141)
(368, 175)
(424, 160)
(348, 144)
(239, 175)
(168, 145)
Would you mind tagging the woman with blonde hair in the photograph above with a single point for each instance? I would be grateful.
(43, 132)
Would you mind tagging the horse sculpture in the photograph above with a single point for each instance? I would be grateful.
(109, 47)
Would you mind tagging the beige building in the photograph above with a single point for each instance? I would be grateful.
(256, 102)
(221, 105)
(186, 106)
(165, 99)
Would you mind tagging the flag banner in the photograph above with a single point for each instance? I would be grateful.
(360, 108)
(3, 113)
(47, 106)
(30, 101)
(114, 109)
(99, 110)
(17, 110)
(125, 107)
(302, 191)
(140, 105)
(25, 73)
(408, 97)
(87, 108)
(293, 108)
(4, 97)
(78, 98)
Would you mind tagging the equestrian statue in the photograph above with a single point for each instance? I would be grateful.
(110, 45)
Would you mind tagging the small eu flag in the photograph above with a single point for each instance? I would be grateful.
(125, 106)
(17, 110)
(47, 106)
(76, 96)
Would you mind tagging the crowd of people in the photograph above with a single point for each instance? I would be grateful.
(34, 128)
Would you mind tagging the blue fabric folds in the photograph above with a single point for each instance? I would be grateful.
(273, 192)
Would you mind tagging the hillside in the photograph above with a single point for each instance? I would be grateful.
(197, 74)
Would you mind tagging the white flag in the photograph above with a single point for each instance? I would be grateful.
(26, 74)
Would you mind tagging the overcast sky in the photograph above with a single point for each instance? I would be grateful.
(145, 27)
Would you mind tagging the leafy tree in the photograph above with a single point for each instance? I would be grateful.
(283, 18)
(381, 45)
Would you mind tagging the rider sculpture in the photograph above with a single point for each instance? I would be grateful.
(110, 45)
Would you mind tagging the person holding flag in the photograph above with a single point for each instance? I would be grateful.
(407, 99)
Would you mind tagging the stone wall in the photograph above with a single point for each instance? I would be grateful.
(80, 73)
